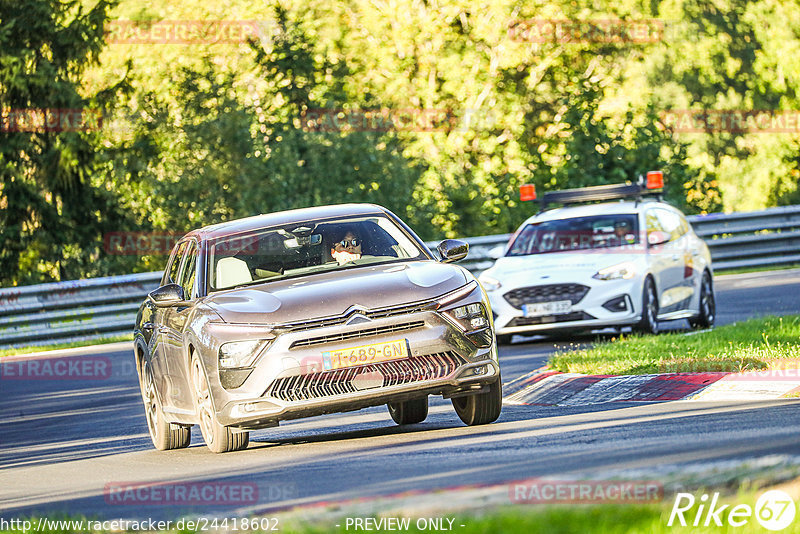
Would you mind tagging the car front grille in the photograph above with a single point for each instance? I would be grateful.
(367, 332)
(545, 319)
(546, 293)
(379, 313)
(383, 374)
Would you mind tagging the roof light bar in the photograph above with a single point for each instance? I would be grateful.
(527, 192)
(655, 180)
(652, 186)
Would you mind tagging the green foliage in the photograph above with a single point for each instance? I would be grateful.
(51, 214)
(199, 134)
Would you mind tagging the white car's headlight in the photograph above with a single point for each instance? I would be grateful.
(489, 283)
(239, 354)
(620, 271)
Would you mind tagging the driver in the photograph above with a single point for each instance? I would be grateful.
(347, 249)
(622, 230)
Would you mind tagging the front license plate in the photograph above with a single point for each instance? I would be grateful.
(365, 354)
(547, 308)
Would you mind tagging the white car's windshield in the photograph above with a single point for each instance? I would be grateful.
(306, 248)
(579, 233)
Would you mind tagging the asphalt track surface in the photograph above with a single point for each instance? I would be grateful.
(74, 446)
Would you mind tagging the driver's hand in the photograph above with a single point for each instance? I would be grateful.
(344, 257)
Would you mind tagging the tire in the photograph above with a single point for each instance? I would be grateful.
(504, 339)
(165, 435)
(218, 438)
(649, 321)
(481, 408)
(708, 305)
(409, 412)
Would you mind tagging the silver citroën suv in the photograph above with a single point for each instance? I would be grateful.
(308, 312)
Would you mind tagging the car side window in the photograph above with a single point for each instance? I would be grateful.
(671, 223)
(189, 272)
(175, 262)
(653, 222)
(685, 226)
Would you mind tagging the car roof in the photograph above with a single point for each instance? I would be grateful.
(301, 215)
(602, 208)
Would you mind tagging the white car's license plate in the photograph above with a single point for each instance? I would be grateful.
(547, 308)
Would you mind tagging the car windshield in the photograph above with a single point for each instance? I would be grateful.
(306, 248)
(579, 233)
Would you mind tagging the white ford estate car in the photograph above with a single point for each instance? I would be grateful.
(628, 260)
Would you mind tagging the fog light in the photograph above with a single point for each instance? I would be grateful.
(618, 304)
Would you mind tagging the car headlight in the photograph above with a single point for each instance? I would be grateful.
(470, 316)
(239, 354)
(620, 271)
(489, 283)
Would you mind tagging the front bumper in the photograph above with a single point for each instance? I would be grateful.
(586, 314)
(289, 381)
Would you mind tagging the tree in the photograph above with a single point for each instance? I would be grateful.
(52, 215)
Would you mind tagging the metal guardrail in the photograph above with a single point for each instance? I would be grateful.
(104, 307)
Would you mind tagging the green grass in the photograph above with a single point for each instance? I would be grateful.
(70, 345)
(756, 344)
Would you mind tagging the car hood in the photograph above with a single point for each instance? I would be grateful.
(557, 266)
(327, 294)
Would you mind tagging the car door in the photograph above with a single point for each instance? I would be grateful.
(693, 262)
(158, 344)
(677, 289)
(660, 256)
(175, 319)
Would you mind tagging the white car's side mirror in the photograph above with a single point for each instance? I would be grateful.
(496, 252)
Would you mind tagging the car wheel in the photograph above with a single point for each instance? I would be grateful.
(481, 408)
(165, 435)
(649, 321)
(504, 339)
(409, 412)
(218, 438)
(708, 306)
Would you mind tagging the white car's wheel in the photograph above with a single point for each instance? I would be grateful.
(649, 322)
(165, 435)
(504, 339)
(708, 306)
(218, 438)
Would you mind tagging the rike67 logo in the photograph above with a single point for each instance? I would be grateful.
(774, 510)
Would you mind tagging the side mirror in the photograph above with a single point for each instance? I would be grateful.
(166, 295)
(657, 237)
(452, 250)
(496, 252)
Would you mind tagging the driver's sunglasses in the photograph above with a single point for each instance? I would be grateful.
(344, 243)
